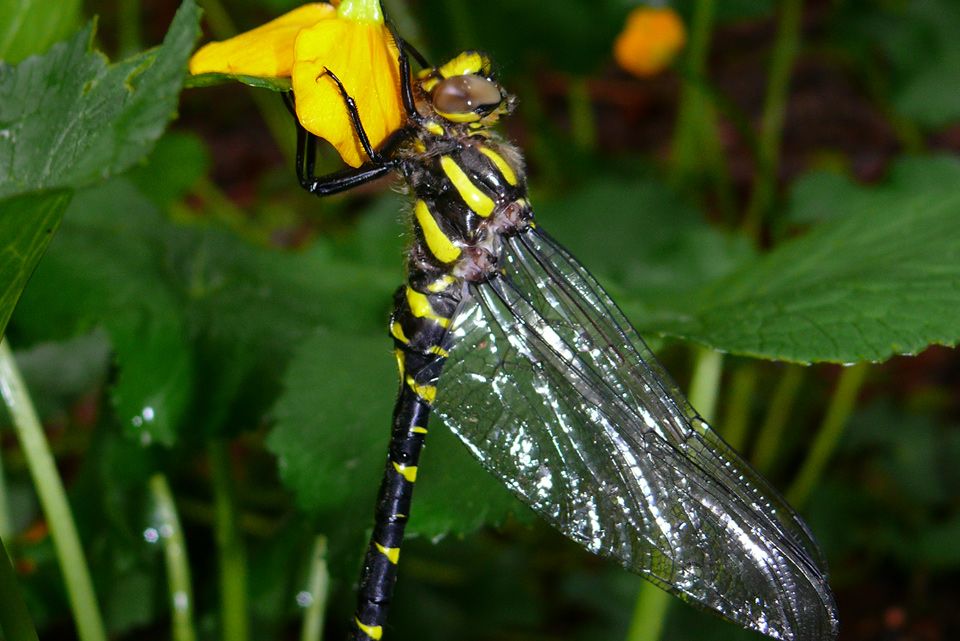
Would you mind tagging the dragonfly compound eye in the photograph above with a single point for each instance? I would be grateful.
(468, 95)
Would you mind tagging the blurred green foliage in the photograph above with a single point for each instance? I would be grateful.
(164, 315)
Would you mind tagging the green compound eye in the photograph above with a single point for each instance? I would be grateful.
(466, 94)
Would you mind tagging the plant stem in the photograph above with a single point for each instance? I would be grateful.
(317, 589)
(53, 499)
(6, 523)
(841, 406)
(705, 381)
(784, 54)
(128, 18)
(781, 404)
(233, 560)
(15, 621)
(583, 124)
(650, 611)
(271, 108)
(688, 132)
(736, 420)
(175, 555)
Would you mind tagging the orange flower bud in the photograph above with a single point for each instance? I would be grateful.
(650, 41)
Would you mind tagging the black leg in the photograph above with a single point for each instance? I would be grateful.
(348, 178)
(306, 144)
(340, 180)
(406, 84)
(351, 105)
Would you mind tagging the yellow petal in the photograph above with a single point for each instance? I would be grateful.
(649, 41)
(266, 51)
(363, 56)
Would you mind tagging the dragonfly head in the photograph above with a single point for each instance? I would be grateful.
(463, 90)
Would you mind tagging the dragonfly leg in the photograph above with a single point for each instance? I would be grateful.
(406, 83)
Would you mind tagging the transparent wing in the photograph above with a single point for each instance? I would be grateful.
(553, 390)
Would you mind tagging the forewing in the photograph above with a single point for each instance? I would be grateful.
(556, 394)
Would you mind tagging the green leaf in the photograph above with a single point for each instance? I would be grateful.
(332, 428)
(882, 280)
(191, 305)
(643, 237)
(105, 269)
(937, 546)
(70, 119)
(27, 224)
(29, 27)
(174, 167)
(59, 373)
(920, 51)
(826, 195)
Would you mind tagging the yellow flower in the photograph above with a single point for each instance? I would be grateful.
(350, 40)
(650, 41)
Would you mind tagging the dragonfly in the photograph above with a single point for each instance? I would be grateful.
(503, 334)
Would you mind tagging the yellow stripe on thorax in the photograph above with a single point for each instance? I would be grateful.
(439, 243)
(471, 194)
(421, 308)
(508, 174)
(392, 554)
(418, 430)
(408, 472)
(375, 632)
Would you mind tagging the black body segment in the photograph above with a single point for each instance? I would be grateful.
(409, 431)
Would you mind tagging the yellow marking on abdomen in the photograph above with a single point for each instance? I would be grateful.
(439, 351)
(392, 554)
(396, 330)
(421, 308)
(408, 472)
(375, 632)
(471, 194)
(419, 430)
(401, 361)
(502, 166)
(440, 245)
(441, 283)
(426, 392)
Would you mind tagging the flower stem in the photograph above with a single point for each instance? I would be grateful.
(784, 53)
(175, 556)
(583, 124)
(53, 499)
(318, 588)
(650, 611)
(736, 420)
(841, 406)
(6, 523)
(131, 35)
(233, 560)
(15, 621)
(771, 432)
(705, 381)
